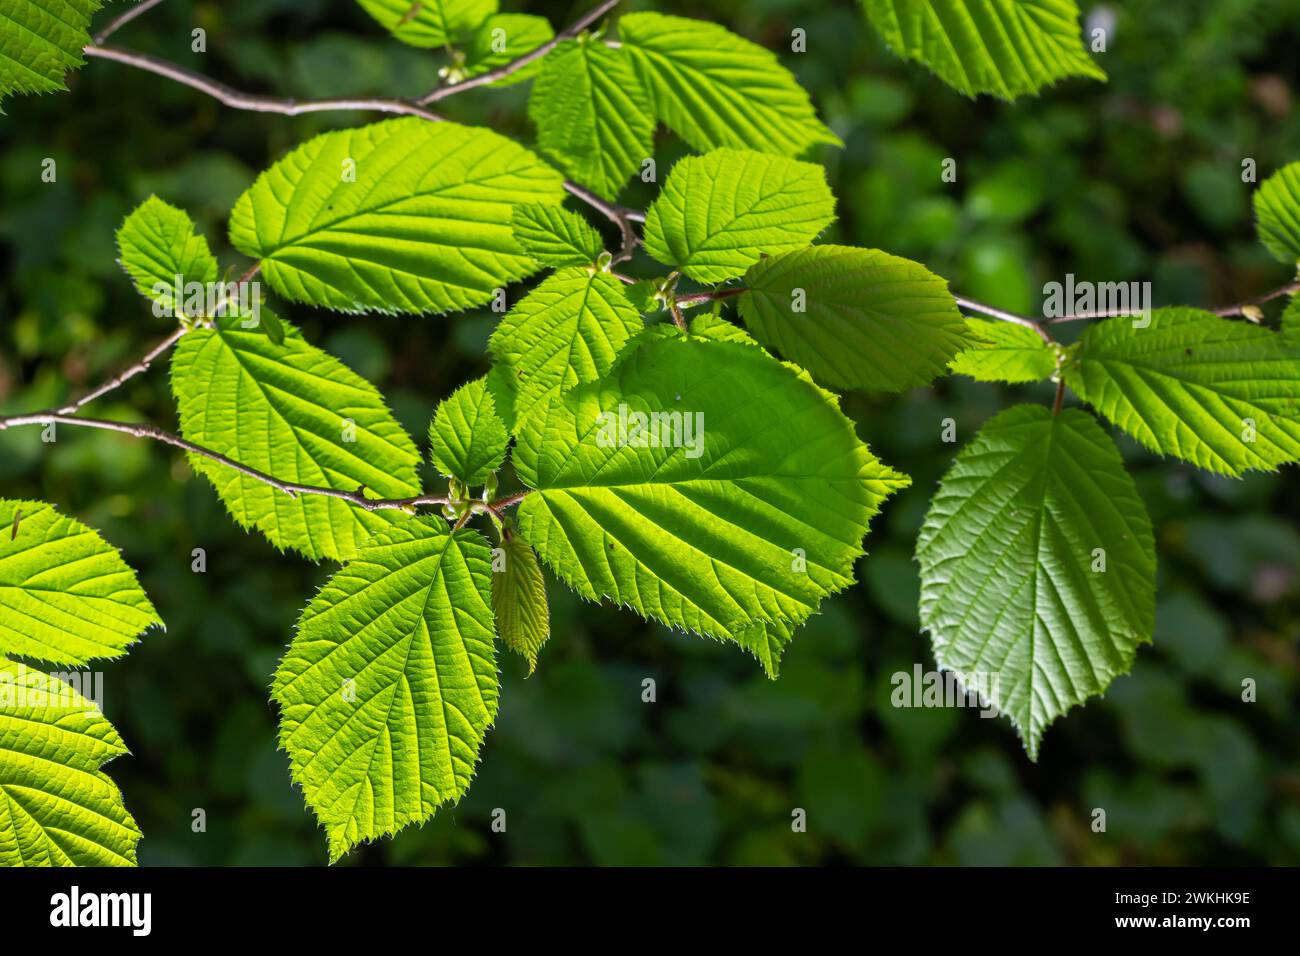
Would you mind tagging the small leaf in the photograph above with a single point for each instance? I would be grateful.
(399, 216)
(40, 42)
(1038, 566)
(671, 486)
(160, 249)
(855, 318)
(1003, 47)
(504, 38)
(756, 205)
(66, 595)
(390, 684)
(467, 435)
(592, 116)
(716, 89)
(1277, 211)
(1005, 353)
(301, 415)
(568, 330)
(430, 23)
(554, 236)
(57, 808)
(1222, 394)
(519, 601)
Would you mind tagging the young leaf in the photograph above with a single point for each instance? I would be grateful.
(57, 808)
(713, 88)
(592, 115)
(743, 500)
(756, 205)
(160, 248)
(1037, 566)
(855, 318)
(429, 23)
(399, 216)
(467, 435)
(299, 414)
(504, 38)
(1003, 47)
(390, 684)
(66, 595)
(1222, 394)
(40, 42)
(566, 331)
(1277, 212)
(1005, 353)
(554, 236)
(519, 600)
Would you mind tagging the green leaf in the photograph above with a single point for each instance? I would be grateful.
(40, 42)
(730, 517)
(855, 318)
(1012, 587)
(554, 236)
(756, 205)
(519, 600)
(390, 684)
(592, 115)
(566, 331)
(57, 808)
(467, 435)
(400, 216)
(1004, 352)
(1277, 213)
(1004, 47)
(66, 595)
(713, 88)
(429, 23)
(160, 248)
(301, 415)
(504, 38)
(1222, 394)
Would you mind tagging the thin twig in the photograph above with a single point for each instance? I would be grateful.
(695, 298)
(125, 17)
(122, 377)
(988, 310)
(153, 432)
(1060, 396)
(568, 33)
(1291, 288)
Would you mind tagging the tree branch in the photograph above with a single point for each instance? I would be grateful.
(125, 17)
(988, 310)
(483, 79)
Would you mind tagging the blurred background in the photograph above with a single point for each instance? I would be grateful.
(1132, 180)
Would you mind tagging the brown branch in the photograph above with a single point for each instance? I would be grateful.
(1291, 288)
(1004, 316)
(125, 17)
(483, 79)
(695, 298)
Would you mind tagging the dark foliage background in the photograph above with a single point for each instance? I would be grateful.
(1136, 179)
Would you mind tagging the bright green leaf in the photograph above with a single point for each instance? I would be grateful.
(1003, 47)
(57, 808)
(566, 331)
(1037, 566)
(301, 415)
(504, 38)
(720, 213)
(1220, 393)
(715, 89)
(554, 236)
(467, 435)
(1004, 352)
(41, 41)
(66, 595)
(429, 23)
(161, 249)
(855, 318)
(1277, 213)
(730, 516)
(592, 115)
(400, 216)
(391, 682)
(519, 600)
